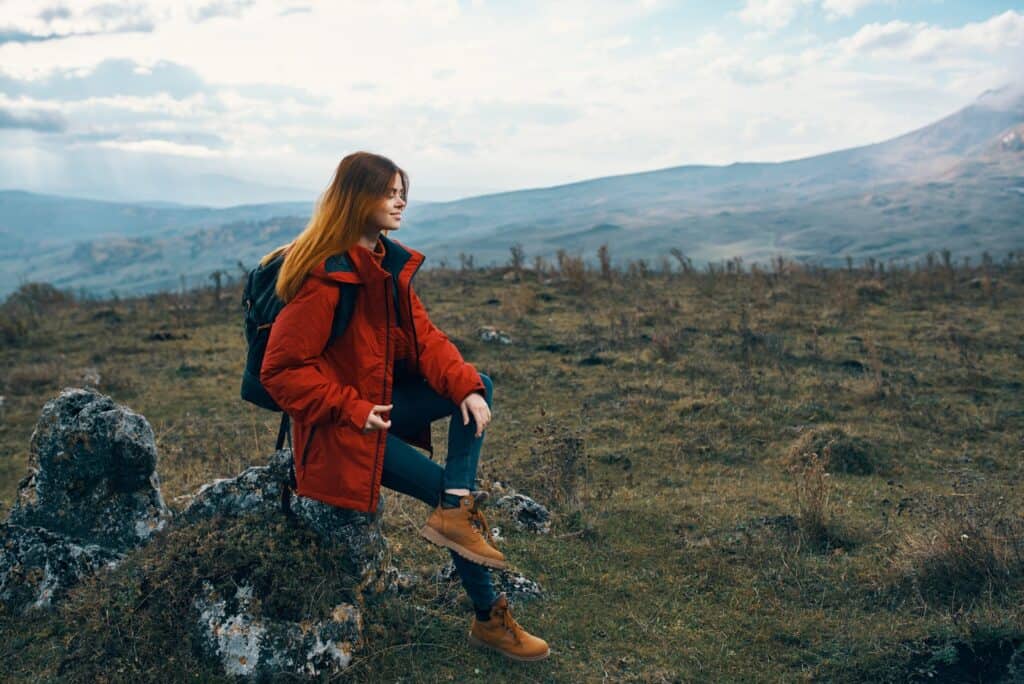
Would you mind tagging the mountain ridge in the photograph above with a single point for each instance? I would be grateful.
(810, 208)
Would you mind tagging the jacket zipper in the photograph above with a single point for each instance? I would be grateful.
(384, 387)
(309, 440)
(412, 326)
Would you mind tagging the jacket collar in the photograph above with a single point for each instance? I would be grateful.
(358, 264)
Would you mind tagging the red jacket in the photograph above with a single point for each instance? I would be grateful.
(328, 392)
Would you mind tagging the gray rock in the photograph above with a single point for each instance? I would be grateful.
(258, 490)
(250, 645)
(489, 333)
(526, 513)
(517, 587)
(37, 567)
(358, 534)
(93, 473)
(252, 491)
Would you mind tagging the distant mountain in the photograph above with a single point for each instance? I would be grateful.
(141, 247)
(43, 220)
(137, 177)
(159, 262)
(755, 210)
(957, 183)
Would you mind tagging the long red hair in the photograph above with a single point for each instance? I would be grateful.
(361, 180)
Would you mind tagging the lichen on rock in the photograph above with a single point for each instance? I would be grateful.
(247, 643)
(37, 567)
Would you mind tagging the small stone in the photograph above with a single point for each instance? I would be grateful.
(489, 333)
(526, 513)
(516, 585)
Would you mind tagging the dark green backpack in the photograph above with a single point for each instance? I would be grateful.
(260, 306)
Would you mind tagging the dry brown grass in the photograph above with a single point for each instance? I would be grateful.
(32, 377)
(812, 491)
(555, 472)
(970, 546)
(848, 453)
(519, 302)
(705, 544)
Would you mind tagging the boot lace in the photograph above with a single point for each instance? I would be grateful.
(477, 516)
(511, 625)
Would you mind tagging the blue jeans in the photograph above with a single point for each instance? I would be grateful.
(412, 472)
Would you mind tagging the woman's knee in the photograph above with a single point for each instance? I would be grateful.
(489, 385)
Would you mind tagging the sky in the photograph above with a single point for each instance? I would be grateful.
(476, 96)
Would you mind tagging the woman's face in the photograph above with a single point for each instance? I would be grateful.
(388, 214)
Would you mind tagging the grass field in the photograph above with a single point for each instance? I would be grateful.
(792, 474)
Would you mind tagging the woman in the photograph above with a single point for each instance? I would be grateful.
(360, 403)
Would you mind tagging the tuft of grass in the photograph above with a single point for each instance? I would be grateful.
(29, 378)
(968, 549)
(849, 454)
(812, 488)
(556, 471)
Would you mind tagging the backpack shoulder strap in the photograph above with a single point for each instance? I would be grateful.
(284, 431)
(343, 312)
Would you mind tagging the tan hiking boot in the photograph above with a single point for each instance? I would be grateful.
(464, 530)
(504, 635)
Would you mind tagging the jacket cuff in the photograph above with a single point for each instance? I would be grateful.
(469, 383)
(357, 418)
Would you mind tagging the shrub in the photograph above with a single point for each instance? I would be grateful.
(574, 271)
(38, 296)
(871, 291)
(14, 327)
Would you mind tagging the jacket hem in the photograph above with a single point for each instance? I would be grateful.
(339, 501)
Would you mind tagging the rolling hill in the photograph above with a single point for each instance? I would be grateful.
(957, 183)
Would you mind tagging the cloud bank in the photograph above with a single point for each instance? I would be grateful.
(479, 95)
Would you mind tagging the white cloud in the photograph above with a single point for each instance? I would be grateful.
(771, 14)
(465, 93)
(161, 147)
(1004, 32)
(846, 8)
(26, 21)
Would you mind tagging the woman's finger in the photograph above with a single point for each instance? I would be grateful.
(465, 413)
(375, 422)
(481, 417)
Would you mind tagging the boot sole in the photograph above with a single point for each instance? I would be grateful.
(436, 537)
(525, 659)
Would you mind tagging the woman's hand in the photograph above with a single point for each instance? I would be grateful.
(375, 422)
(477, 405)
